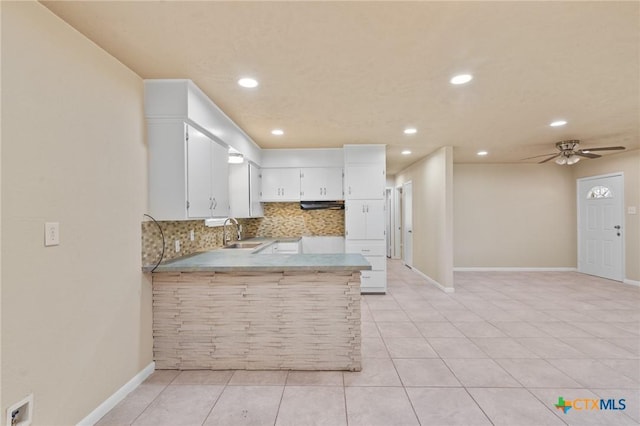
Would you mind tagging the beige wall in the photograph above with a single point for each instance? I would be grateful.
(76, 318)
(514, 215)
(629, 164)
(432, 189)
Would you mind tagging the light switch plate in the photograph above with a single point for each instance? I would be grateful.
(51, 234)
(632, 210)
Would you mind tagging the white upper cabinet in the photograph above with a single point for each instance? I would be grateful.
(188, 173)
(244, 190)
(199, 173)
(364, 182)
(365, 172)
(207, 177)
(255, 186)
(188, 138)
(281, 184)
(321, 184)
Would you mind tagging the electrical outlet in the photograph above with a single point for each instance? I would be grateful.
(192, 235)
(177, 246)
(51, 234)
(21, 413)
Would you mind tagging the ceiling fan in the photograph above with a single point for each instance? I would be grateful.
(570, 154)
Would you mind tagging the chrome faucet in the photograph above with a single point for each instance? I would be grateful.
(226, 238)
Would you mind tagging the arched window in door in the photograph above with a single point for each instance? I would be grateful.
(599, 192)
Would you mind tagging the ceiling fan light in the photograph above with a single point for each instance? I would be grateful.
(561, 160)
(573, 159)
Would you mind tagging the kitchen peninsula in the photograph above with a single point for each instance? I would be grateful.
(239, 309)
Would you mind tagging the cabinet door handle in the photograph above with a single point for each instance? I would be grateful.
(349, 190)
(214, 203)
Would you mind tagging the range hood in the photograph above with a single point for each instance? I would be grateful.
(322, 205)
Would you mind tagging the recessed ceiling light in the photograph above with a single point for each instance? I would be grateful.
(461, 79)
(482, 153)
(248, 82)
(406, 152)
(277, 132)
(410, 131)
(558, 123)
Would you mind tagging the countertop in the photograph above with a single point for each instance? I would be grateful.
(250, 260)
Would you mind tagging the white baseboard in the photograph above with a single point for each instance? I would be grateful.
(513, 269)
(631, 282)
(118, 396)
(433, 282)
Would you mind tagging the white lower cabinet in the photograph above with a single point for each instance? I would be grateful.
(375, 280)
(287, 247)
(282, 247)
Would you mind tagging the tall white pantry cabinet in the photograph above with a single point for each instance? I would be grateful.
(365, 231)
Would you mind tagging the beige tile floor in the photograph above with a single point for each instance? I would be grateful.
(500, 350)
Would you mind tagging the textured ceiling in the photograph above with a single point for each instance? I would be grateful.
(333, 73)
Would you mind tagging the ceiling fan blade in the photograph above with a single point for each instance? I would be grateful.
(606, 148)
(550, 158)
(537, 156)
(587, 154)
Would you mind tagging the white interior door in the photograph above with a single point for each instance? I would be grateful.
(600, 226)
(407, 223)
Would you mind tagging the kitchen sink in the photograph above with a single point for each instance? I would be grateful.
(242, 245)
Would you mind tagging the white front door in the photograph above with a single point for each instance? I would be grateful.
(407, 223)
(600, 227)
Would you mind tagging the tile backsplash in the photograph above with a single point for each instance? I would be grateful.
(280, 220)
(288, 220)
